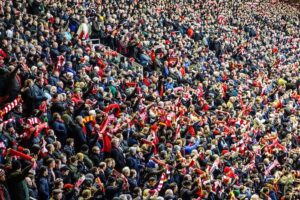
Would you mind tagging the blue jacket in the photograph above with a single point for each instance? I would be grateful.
(43, 188)
(189, 149)
(60, 131)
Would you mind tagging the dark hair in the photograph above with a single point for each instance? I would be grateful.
(69, 141)
(16, 164)
(42, 170)
(84, 148)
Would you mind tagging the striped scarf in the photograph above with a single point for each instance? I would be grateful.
(88, 119)
(60, 62)
(163, 178)
(7, 121)
(33, 120)
(10, 106)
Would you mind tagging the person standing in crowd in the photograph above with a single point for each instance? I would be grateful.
(43, 184)
(17, 186)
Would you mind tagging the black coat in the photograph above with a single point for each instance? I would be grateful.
(113, 191)
(28, 97)
(96, 158)
(79, 137)
(9, 85)
(118, 156)
(17, 185)
(187, 194)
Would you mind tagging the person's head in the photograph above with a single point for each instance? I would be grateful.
(169, 192)
(96, 150)
(57, 163)
(102, 166)
(51, 163)
(133, 173)
(79, 156)
(43, 171)
(137, 192)
(115, 142)
(57, 145)
(111, 181)
(70, 142)
(86, 194)
(50, 148)
(126, 171)
(57, 194)
(58, 183)
(40, 81)
(255, 197)
(132, 151)
(79, 119)
(187, 184)
(174, 187)
(16, 165)
(109, 162)
(152, 181)
(64, 170)
(56, 116)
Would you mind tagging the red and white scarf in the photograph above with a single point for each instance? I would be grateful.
(10, 106)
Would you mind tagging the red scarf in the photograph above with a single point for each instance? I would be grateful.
(113, 106)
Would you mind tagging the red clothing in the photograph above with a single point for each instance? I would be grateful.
(190, 32)
(76, 99)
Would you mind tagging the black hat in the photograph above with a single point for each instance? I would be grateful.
(64, 168)
(186, 183)
(35, 148)
(16, 165)
(152, 178)
(84, 147)
(111, 180)
(9, 125)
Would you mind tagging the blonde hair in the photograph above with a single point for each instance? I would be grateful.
(80, 156)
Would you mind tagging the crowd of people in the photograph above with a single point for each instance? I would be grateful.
(204, 104)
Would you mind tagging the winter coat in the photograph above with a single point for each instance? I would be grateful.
(43, 188)
(79, 136)
(60, 131)
(17, 185)
(118, 156)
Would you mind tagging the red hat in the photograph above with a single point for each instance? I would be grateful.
(227, 169)
(216, 131)
(225, 151)
(68, 186)
(154, 127)
(131, 59)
